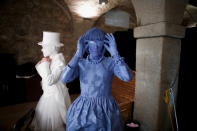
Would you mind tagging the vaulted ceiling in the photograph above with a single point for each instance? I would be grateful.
(91, 9)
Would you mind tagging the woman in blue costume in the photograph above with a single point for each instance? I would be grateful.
(95, 109)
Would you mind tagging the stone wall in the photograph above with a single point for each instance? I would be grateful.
(22, 23)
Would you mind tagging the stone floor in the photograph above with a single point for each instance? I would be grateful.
(9, 115)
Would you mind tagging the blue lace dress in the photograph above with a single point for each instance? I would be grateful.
(95, 109)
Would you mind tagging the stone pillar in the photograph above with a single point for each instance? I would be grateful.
(157, 59)
(157, 62)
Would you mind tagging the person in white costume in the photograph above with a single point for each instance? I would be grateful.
(50, 113)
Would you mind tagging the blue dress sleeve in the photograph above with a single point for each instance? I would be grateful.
(121, 69)
(69, 73)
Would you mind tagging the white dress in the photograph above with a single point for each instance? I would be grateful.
(51, 109)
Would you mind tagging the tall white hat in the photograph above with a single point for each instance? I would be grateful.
(51, 39)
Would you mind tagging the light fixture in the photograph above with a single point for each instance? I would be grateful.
(86, 9)
(103, 2)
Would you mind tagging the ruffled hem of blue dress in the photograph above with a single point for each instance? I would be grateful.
(93, 114)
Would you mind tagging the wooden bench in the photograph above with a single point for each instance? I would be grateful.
(124, 93)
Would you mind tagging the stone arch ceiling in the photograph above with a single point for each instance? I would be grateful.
(23, 21)
(77, 6)
(190, 16)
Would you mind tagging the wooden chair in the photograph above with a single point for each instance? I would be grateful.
(124, 93)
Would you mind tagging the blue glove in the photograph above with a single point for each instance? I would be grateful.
(111, 47)
(81, 47)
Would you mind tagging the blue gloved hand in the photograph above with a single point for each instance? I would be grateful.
(81, 47)
(111, 44)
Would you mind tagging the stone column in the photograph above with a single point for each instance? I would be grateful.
(157, 59)
(157, 63)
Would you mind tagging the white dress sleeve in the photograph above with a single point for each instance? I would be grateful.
(50, 77)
